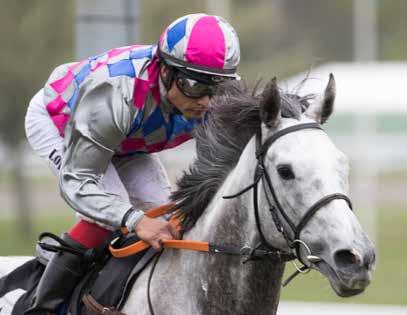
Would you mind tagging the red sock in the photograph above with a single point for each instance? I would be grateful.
(89, 234)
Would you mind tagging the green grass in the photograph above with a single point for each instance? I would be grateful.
(389, 284)
(13, 243)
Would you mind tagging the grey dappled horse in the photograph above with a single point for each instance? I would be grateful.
(299, 209)
(309, 178)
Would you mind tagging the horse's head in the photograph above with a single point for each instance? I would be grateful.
(309, 176)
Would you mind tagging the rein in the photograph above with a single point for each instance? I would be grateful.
(246, 252)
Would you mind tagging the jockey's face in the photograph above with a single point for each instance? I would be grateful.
(189, 107)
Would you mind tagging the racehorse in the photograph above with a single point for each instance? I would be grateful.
(287, 185)
(267, 186)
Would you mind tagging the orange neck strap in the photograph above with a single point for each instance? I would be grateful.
(142, 245)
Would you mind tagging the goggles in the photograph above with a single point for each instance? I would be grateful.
(194, 88)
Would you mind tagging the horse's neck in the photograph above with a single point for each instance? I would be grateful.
(253, 287)
(230, 220)
(215, 283)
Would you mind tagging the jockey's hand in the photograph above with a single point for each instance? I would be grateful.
(153, 231)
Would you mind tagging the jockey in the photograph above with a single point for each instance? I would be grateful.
(98, 123)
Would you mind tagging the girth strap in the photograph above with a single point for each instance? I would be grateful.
(97, 308)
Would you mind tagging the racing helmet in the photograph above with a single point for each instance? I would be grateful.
(201, 44)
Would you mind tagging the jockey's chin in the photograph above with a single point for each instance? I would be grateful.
(193, 114)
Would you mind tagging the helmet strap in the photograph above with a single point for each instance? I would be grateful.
(165, 85)
(167, 81)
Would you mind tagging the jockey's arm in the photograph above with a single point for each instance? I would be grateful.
(100, 122)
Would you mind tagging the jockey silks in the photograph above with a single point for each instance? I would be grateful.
(108, 107)
(132, 73)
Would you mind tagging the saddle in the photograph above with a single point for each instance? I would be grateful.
(107, 290)
(104, 288)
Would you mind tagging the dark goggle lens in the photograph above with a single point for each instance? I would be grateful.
(193, 88)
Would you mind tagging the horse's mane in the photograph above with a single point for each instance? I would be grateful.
(233, 118)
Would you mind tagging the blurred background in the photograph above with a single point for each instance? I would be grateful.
(362, 42)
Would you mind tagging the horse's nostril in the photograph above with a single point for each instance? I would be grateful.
(348, 258)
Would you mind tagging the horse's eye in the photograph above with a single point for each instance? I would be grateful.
(286, 172)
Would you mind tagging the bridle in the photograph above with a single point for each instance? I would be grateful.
(263, 250)
(277, 211)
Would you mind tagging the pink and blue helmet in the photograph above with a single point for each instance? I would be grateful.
(201, 43)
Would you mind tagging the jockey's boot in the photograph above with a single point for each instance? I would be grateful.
(62, 274)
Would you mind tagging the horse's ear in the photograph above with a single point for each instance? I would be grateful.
(270, 104)
(323, 107)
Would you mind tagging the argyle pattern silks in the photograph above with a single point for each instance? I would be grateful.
(151, 130)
